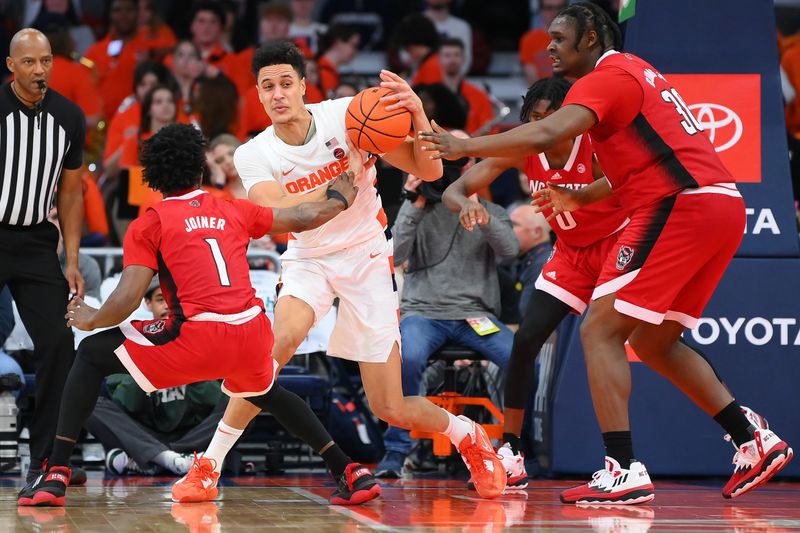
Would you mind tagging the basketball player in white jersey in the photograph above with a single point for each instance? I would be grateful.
(350, 257)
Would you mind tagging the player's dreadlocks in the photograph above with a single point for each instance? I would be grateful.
(173, 158)
(590, 16)
(553, 89)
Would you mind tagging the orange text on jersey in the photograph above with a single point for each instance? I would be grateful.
(318, 177)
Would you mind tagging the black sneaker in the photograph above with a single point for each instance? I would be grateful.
(356, 486)
(50, 489)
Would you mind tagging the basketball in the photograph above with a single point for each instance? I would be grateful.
(371, 127)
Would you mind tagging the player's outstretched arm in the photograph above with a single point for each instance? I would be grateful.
(410, 156)
(340, 194)
(479, 176)
(127, 296)
(527, 139)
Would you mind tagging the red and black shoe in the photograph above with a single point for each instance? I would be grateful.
(356, 486)
(50, 489)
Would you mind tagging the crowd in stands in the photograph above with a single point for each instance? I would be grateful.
(135, 66)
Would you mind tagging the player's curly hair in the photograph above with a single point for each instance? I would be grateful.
(173, 158)
(554, 89)
(281, 52)
(590, 16)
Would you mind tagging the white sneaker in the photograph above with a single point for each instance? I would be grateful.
(515, 467)
(92, 452)
(181, 464)
(613, 485)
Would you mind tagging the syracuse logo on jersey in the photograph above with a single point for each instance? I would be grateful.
(316, 177)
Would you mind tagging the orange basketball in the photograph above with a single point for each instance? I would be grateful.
(371, 127)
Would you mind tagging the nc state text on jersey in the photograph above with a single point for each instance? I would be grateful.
(318, 177)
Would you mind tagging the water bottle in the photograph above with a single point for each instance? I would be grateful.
(24, 451)
(8, 431)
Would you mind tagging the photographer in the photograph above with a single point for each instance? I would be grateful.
(451, 292)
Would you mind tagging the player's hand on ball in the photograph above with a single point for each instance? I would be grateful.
(356, 159)
(343, 184)
(79, 315)
(555, 198)
(473, 213)
(404, 96)
(448, 146)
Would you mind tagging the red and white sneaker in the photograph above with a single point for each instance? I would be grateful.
(199, 485)
(484, 464)
(756, 462)
(755, 419)
(515, 467)
(613, 485)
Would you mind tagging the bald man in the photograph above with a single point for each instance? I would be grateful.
(533, 233)
(41, 148)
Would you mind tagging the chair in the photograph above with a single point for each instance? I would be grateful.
(455, 402)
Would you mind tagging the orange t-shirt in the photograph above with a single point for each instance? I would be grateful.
(481, 109)
(328, 75)
(115, 72)
(124, 124)
(161, 39)
(533, 51)
(430, 71)
(76, 83)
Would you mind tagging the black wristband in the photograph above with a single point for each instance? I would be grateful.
(411, 196)
(333, 194)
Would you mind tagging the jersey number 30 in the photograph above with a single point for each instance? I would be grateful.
(689, 123)
(219, 261)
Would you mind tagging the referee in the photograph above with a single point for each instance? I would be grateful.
(41, 149)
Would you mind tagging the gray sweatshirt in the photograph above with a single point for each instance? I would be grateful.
(451, 273)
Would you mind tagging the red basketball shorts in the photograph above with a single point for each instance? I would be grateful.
(167, 353)
(571, 273)
(670, 258)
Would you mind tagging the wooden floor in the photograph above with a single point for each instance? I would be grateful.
(299, 503)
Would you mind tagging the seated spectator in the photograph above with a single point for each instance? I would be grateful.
(303, 27)
(442, 105)
(158, 36)
(224, 175)
(339, 46)
(480, 110)
(145, 433)
(187, 67)
(417, 38)
(313, 94)
(116, 56)
(158, 109)
(64, 11)
(89, 268)
(349, 86)
(8, 365)
(73, 79)
(206, 27)
(533, 55)
(451, 293)
(451, 27)
(535, 247)
(125, 122)
(216, 106)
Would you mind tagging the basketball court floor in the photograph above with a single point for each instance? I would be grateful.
(299, 503)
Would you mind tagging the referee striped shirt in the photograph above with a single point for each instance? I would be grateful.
(34, 149)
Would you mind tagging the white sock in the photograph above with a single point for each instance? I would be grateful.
(166, 459)
(457, 429)
(224, 439)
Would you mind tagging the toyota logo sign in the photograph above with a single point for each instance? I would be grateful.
(722, 125)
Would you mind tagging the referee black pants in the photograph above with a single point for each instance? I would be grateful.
(29, 266)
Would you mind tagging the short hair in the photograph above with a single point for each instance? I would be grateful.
(280, 52)
(452, 41)
(214, 7)
(554, 89)
(173, 158)
(590, 16)
(225, 139)
(336, 32)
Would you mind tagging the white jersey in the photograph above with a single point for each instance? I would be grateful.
(302, 169)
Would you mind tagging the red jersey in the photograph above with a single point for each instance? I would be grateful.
(589, 224)
(646, 139)
(198, 245)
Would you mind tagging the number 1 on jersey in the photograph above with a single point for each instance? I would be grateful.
(222, 268)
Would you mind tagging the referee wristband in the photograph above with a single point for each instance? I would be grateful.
(333, 194)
